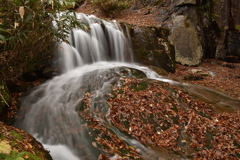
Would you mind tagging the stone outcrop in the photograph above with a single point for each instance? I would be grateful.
(151, 47)
(202, 29)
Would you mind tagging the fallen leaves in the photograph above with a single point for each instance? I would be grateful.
(157, 114)
(111, 145)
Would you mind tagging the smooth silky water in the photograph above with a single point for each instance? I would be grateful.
(91, 64)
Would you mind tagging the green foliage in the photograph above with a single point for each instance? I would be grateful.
(111, 8)
(28, 41)
(14, 155)
(237, 27)
(2, 38)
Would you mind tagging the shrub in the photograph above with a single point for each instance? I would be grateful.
(111, 8)
(27, 36)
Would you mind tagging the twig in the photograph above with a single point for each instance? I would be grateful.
(4, 100)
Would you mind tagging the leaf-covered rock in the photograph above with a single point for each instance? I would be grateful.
(17, 144)
(166, 116)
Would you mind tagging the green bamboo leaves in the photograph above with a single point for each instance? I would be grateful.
(2, 38)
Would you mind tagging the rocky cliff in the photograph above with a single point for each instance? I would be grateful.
(199, 28)
(202, 29)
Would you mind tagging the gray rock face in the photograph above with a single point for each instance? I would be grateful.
(198, 29)
(209, 29)
(184, 32)
(228, 19)
(188, 49)
(233, 43)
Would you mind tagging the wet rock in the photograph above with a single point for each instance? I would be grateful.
(158, 70)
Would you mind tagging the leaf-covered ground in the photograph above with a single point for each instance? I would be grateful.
(218, 75)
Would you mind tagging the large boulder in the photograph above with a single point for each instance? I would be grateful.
(188, 48)
(180, 17)
(151, 47)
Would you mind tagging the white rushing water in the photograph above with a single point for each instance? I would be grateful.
(105, 41)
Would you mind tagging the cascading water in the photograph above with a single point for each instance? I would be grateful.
(105, 41)
(50, 110)
(50, 114)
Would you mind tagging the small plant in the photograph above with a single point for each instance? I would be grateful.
(214, 16)
(111, 8)
(14, 156)
(237, 27)
(6, 153)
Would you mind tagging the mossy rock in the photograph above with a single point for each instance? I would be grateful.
(17, 144)
(158, 70)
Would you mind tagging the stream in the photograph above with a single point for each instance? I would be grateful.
(91, 64)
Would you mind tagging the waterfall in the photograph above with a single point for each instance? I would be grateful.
(104, 42)
(89, 64)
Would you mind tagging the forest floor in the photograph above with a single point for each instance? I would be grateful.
(218, 75)
(221, 76)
